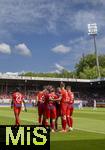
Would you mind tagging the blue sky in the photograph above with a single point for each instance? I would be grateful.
(46, 35)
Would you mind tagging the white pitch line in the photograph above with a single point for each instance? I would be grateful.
(89, 131)
(86, 130)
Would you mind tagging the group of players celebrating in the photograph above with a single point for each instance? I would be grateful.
(52, 104)
(56, 103)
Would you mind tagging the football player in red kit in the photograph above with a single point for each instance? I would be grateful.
(50, 108)
(17, 99)
(58, 108)
(64, 104)
(70, 108)
(40, 99)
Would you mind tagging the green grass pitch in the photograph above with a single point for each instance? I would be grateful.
(88, 133)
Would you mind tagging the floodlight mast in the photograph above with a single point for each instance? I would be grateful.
(92, 30)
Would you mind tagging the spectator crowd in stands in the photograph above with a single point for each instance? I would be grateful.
(87, 97)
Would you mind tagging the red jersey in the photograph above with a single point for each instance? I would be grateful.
(71, 97)
(17, 99)
(40, 96)
(46, 98)
(49, 97)
(65, 96)
(59, 94)
(52, 96)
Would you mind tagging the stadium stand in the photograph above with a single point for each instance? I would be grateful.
(85, 90)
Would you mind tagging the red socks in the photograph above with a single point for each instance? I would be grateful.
(63, 124)
(71, 121)
(52, 124)
(40, 119)
(68, 121)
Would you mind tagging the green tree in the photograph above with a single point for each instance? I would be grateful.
(87, 69)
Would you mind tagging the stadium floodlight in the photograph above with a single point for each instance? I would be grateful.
(92, 30)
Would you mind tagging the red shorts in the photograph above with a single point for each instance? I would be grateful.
(64, 108)
(40, 108)
(50, 111)
(69, 110)
(17, 110)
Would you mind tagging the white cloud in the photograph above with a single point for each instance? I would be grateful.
(22, 49)
(52, 16)
(80, 46)
(83, 17)
(26, 16)
(32, 15)
(86, 45)
(55, 71)
(5, 48)
(59, 67)
(61, 49)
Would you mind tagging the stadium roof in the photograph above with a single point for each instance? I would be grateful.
(16, 77)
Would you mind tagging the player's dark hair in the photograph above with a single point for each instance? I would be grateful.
(62, 85)
(52, 89)
(17, 89)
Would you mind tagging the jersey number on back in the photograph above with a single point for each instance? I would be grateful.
(18, 98)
